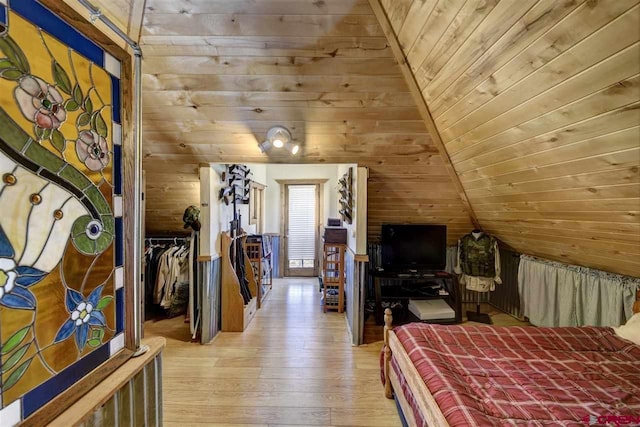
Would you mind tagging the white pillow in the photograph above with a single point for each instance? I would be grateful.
(630, 330)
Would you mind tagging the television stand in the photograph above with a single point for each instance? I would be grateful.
(416, 275)
(400, 287)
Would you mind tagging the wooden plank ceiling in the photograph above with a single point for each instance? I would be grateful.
(537, 103)
(118, 11)
(219, 73)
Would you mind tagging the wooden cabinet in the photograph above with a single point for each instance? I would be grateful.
(259, 252)
(333, 276)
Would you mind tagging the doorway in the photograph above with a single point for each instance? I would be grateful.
(301, 227)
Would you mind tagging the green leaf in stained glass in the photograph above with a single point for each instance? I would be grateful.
(77, 94)
(11, 74)
(61, 77)
(15, 339)
(14, 54)
(16, 375)
(97, 333)
(39, 133)
(71, 105)
(58, 141)
(104, 301)
(83, 119)
(5, 63)
(8, 70)
(88, 104)
(15, 358)
(42, 134)
(99, 125)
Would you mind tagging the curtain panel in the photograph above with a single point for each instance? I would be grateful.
(556, 294)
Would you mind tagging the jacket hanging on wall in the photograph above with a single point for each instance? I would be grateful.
(478, 261)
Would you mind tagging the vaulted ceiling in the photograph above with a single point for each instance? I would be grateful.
(533, 104)
(219, 73)
(538, 106)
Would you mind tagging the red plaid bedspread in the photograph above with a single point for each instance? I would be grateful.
(489, 376)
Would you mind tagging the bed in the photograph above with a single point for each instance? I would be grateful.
(489, 376)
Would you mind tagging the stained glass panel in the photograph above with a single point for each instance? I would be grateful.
(61, 245)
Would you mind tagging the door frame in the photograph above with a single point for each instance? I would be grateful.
(256, 205)
(284, 209)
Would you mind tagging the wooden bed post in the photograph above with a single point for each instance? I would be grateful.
(388, 319)
(636, 305)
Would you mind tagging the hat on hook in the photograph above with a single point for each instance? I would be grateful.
(191, 218)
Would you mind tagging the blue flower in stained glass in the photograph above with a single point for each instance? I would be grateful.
(82, 314)
(15, 279)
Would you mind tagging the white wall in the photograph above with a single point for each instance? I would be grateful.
(361, 188)
(267, 174)
(351, 228)
(272, 192)
(258, 172)
(211, 208)
(209, 228)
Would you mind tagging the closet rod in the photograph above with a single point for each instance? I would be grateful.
(167, 238)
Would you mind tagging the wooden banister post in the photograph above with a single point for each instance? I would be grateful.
(388, 319)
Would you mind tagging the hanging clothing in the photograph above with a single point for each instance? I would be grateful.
(164, 272)
(478, 262)
(168, 277)
(153, 255)
(175, 274)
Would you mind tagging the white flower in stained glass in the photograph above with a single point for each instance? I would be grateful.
(16, 279)
(82, 313)
(40, 102)
(7, 275)
(92, 150)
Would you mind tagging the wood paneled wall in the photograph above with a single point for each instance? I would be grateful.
(537, 103)
(218, 74)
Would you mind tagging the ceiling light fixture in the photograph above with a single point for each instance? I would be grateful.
(278, 137)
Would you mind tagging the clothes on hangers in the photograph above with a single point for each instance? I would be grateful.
(478, 262)
(171, 275)
(167, 276)
(153, 254)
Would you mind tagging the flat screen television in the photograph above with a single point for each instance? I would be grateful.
(414, 247)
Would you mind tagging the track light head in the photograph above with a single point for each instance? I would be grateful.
(293, 148)
(264, 146)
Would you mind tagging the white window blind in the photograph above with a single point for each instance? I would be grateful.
(302, 224)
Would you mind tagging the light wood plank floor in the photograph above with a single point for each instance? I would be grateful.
(294, 365)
